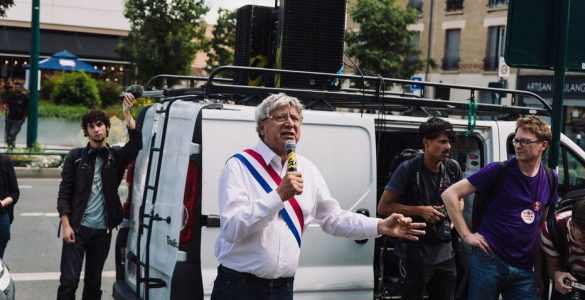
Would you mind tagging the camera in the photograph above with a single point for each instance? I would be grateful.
(578, 292)
(136, 91)
(441, 231)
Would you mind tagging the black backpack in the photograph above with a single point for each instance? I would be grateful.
(400, 157)
(482, 201)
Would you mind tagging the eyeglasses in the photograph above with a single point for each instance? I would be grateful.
(524, 143)
(284, 117)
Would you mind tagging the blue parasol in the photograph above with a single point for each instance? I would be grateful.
(66, 61)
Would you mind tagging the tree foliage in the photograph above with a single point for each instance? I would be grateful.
(165, 36)
(4, 6)
(76, 88)
(382, 45)
(223, 41)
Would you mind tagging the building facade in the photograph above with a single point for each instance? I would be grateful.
(466, 39)
(89, 29)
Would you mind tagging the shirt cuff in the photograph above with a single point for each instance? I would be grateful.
(371, 227)
(274, 203)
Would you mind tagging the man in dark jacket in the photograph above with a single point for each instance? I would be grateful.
(17, 105)
(88, 201)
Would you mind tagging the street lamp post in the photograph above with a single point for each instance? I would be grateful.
(33, 86)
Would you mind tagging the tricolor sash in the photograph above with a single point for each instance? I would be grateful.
(261, 171)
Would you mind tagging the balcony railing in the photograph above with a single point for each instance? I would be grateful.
(454, 5)
(450, 63)
(497, 3)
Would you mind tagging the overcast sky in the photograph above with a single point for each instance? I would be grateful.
(214, 5)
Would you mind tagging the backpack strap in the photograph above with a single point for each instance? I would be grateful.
(552, 188)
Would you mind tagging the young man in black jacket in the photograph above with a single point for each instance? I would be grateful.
(88, 201)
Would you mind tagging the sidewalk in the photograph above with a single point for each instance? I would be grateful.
(23, 172)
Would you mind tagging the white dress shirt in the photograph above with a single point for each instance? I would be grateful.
(254, 239)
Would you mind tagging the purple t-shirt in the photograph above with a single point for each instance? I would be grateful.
(511, 221)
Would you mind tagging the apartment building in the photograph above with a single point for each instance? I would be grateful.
(466, 39)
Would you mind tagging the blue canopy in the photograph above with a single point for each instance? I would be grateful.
(66, 61)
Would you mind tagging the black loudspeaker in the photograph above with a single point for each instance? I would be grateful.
(310, 38)
(255, 32)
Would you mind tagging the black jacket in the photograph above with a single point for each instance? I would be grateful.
(9, 184)
(77, 179)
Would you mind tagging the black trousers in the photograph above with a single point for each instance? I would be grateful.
(95, 245)
(438, 280)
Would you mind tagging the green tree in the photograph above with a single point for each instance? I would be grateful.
(223, 41)
(4, 6)
(165, 36)
(382, 45)
(76, 88)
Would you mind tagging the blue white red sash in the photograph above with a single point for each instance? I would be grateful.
(261, 171)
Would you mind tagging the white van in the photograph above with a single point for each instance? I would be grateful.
(165, 247)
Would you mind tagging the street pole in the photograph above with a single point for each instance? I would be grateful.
(33, 86)
(559, 81)
(429, 41)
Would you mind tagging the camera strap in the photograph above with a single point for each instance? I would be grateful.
(441, 186)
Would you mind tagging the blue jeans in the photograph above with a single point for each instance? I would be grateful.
(4, 231)
(490, 276)
(232, 285)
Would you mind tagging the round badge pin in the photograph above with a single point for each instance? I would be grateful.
(527, 216)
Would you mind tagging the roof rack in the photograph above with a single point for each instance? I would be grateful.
(374, 96)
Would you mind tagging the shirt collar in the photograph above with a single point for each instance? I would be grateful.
(267, 154)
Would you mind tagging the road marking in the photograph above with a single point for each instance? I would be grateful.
(25, 186)
(39, 214)
(50, 276)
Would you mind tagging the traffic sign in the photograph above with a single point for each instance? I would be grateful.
(415, 87)
(503, 69)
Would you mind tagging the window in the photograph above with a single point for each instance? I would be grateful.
(451, 58)
(415, 42)
(495, 47)
(416, 5)
(454, 5)
(497, 3)
(571, 171)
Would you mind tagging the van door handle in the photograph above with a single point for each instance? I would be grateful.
(365, 212)
(210, 220)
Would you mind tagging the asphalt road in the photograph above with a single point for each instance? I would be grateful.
(34, 251)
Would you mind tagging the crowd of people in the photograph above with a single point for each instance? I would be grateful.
(265, 194)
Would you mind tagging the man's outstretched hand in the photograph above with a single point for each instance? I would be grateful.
(397, 225)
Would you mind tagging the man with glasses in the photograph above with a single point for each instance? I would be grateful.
(505, 244)
(565, 251)
(264, 208)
